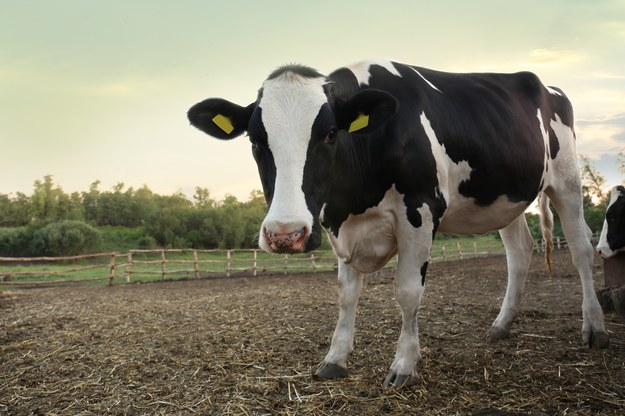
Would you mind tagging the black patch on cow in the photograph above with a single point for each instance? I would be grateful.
(424, 270)
(301, 70)
(318, 169)
(342, 84)
(554, 144)
(615, 219)
(262, 154)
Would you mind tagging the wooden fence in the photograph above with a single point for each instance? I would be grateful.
(20, 269)
(150, 265)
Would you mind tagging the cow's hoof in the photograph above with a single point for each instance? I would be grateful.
(497, 333)
(329, 371)
(596, 339)
(399, 380)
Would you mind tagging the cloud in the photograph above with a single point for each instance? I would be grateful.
(607, 75)
(599, 136)
(550, 58)
(598, 103)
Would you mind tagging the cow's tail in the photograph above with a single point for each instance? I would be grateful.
(546, 227)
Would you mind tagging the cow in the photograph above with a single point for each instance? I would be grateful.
(383, 155)
(612, 238)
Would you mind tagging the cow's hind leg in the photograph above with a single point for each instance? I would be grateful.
(335, 363)
(518, 242)
(568, 203)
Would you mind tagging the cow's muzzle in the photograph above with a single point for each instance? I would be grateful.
(288, 242)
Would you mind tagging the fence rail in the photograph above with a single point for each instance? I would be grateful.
(144, 265)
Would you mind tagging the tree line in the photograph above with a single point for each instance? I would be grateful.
(52, 222)
(43, 222)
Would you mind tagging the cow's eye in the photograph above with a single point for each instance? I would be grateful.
(331, 137)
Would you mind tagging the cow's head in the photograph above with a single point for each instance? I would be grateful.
(294, 126)
(612, 239)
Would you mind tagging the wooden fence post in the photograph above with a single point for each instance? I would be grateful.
(312, 261)
(196, 265)
(128, 267)
(443, 252)
(163, 266)
(228, 263)
(474, 249)
(286, 263)
(459, 250)
(255, 263)
(112, 269)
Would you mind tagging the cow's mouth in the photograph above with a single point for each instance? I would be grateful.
(287, 243)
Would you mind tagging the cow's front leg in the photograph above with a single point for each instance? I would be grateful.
(409, 287)
(335, 363)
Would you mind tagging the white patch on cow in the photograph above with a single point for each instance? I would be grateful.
(427, 81)
(367, 241)
(545, 134)
(361, 69)
(449, 173)
(290, 104)
(553, 92)
(565, 162)
(463, 216)
(603, 247)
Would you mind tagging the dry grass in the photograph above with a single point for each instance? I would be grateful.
(247, 346)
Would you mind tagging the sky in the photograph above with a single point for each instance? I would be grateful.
(99, 90)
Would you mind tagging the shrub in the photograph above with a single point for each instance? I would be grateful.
(15, 242)
(65, 238)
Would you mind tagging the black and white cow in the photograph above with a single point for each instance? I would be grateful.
(383, 155)
(612, 239)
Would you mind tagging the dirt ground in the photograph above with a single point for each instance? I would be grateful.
(248, 346)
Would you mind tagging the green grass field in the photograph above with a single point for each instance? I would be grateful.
(147, 266)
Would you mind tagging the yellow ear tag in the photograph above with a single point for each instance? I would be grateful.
(360, 123)
(223, 123)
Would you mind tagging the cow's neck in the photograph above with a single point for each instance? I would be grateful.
(358, 181)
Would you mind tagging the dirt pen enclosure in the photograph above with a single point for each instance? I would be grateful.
(248, 346)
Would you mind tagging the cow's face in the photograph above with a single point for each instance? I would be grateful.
(294, 127)
(612, 239)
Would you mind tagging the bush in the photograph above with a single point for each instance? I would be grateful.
(15, 242)
(115, 238)
(65, 238)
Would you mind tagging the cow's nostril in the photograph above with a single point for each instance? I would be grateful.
(288, 242)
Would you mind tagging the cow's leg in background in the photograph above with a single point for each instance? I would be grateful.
(568, 203)
(350, 285)
(519, 244)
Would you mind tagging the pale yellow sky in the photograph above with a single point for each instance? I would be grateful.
(99, 90)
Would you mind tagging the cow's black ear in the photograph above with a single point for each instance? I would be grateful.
(220, 118)
(365, 111)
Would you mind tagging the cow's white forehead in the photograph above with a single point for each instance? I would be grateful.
(290, 104)
(291, 100)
